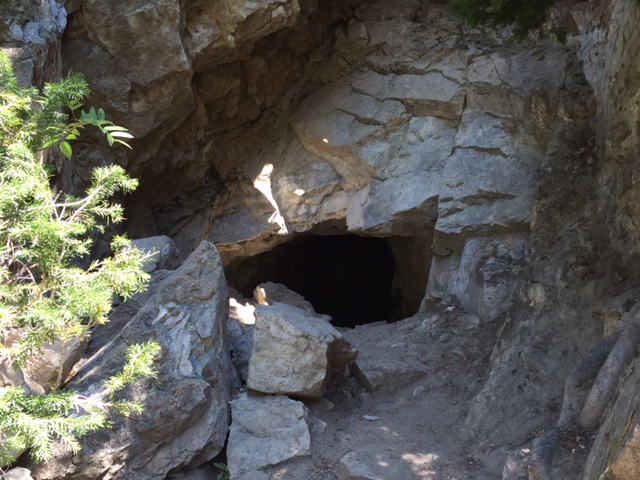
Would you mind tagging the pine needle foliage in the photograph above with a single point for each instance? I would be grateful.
(44, 297)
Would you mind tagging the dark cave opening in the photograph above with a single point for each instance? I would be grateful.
(353, 279)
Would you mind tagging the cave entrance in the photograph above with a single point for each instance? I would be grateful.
(354, 279)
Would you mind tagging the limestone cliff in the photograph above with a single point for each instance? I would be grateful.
(503, 176)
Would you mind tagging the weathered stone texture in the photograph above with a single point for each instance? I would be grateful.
(30, 32)
(187, 414)
(607, 47)
(253, 126)
(295, 352)
(416, 136)
(616, 449)
(266, 430)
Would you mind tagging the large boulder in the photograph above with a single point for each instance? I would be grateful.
(266, 430)
(186, 416)
(242, 318)
(294, 352)
(17, 473)
(40, 372)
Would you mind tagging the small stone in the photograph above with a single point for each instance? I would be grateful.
(269, 292)
(317, 426)
(370, 418)
(17, 473)
(428, 324)
(165, 253)
(353, 469)
(320, 405)
(419, 390)
(364, 395)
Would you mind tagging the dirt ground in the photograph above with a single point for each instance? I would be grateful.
(410, 423)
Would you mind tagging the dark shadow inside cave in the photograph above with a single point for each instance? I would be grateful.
(353, 279)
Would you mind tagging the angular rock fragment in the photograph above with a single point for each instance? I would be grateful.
(17, 473)
(166, 255)
(266, 430)
(295, 353)
(39, 372)
(352, 468)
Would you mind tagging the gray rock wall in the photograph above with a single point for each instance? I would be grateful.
(198, 70)
(30, 32)
(607, 47)
(507, 172)
(608, 42)
(428, 133)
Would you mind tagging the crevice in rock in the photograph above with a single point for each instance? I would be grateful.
(354, 279)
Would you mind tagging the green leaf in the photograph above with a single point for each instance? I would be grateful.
(113, 128)
(121, 134)
(66, 149)
(44, 295)
(125, 144)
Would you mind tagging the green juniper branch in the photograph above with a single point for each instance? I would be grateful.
(44, 298)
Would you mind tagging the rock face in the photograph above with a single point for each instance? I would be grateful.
(186, 415)
(266, 430)
(30, 32)
(415, 140)
(608, 33)
(484, 277)
(200, 70)
(505, 175)
(295, 353)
